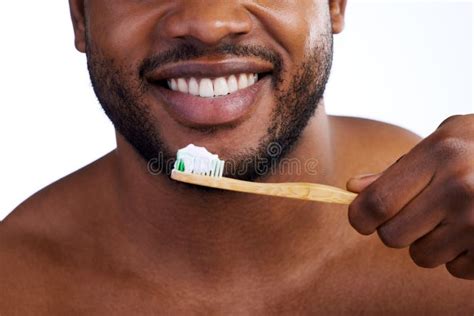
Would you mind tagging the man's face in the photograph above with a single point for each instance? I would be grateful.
(171, 73)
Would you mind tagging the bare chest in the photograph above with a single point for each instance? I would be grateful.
(370, 290)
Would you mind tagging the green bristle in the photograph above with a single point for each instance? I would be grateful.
(181, 165)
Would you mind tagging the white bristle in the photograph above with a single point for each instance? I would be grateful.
(214, 168)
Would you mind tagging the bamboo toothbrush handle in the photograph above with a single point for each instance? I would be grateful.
(302, 191)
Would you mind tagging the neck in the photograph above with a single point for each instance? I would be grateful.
(223, 231)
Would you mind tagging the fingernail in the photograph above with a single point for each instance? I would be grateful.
(364, 176)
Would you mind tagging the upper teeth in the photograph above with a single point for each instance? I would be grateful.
(207, 88)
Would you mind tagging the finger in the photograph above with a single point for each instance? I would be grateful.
(394, 189)
(418, 218)
(359, 183)
(463, 266)
(449, 119)
(440, 246)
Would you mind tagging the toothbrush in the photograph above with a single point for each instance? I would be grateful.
(206, 170)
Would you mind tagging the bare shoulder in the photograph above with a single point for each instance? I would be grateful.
(44, 235)
(61, 208)
(22, 269)
(368, 145)
(377, 134)
(59, 201)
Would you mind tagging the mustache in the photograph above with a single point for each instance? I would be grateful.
(189, 51)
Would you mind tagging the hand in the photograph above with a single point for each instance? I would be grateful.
(425, 200)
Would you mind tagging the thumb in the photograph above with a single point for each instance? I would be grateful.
(358, 183)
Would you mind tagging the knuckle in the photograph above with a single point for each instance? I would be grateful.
(368, 211)
(375, 206)
(462, 186)
(357, 220)
(391, 237)
(449, 119)
(421, 257)
(459, 194)
(448, 146)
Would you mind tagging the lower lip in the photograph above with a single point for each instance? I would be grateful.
(195, 111)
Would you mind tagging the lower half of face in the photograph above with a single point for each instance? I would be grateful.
(251, 128)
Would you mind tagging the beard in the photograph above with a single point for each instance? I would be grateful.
(121, 92)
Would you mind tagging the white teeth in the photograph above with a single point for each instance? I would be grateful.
(206, 89)
(251, 79)
(243, 81)
(232, 83)
(220, 87)
(193, 86)
(174, 85)
(182, 85)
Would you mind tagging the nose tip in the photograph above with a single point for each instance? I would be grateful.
(210, 23)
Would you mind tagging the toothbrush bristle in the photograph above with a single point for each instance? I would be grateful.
(180, 165)
(216, 170)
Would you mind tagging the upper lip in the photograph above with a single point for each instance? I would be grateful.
(206, 69)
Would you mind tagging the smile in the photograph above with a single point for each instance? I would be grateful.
(209, 88)
(208, 94)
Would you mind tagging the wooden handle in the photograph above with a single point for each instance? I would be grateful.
(302, 191)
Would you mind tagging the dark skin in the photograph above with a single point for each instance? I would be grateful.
(113, 239)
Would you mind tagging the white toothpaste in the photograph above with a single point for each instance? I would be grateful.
(198, 160)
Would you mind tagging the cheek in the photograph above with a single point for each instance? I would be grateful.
(123, 30)
(320, 26)
(294, 24)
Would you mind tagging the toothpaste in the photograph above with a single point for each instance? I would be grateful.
(195, 159)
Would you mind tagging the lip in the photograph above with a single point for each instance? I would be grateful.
(208, 69)
(195, 111)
